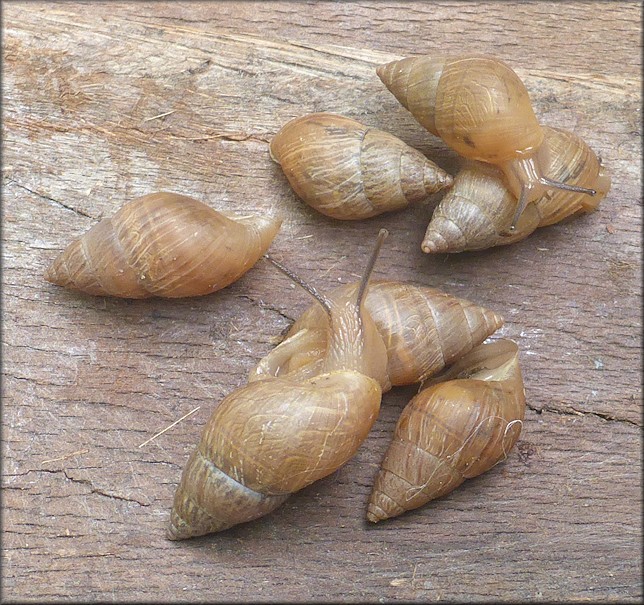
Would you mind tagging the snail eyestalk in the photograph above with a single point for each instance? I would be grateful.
(323, 300)
(566, 187)
(525, 179)
(528, 192)
(382, 236)
(481, 109)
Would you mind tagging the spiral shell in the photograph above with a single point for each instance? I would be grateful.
(567, 158)
(267, 440)
(482, 110)
(163, 244)
(476, 104)
(349, 171)
(275, 436)
(456, 429)
(477, 211)
(423, 329)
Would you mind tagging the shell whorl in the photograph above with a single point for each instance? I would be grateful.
(423, 329)
(414, 82)
(452, 431)
(477, 104)
(567, 158)
(267, 440)
(349, 171)
(163, 244)
(476, 212)
(208, 500)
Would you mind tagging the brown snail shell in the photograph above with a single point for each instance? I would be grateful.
(480, 108)
(567, 158)
(268, 440)
(423, 329)
(163, 244)
(476, 104)
(349, 171)
(476, 212)
(275, 436)
(459, 427)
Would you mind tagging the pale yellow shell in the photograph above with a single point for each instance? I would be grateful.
(349, 171)
(459, 427)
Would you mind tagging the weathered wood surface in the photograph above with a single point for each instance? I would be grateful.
(103, 102)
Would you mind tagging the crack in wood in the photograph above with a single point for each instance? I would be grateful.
(96, 490)
(88, 482)
(234, 137)
(262, 305)
(571, 411)
(122, 132)
(51, 199)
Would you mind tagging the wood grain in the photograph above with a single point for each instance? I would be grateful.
(107, 101)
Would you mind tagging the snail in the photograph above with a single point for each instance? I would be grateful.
(163, 244)
(475, 211)
(481, 109)
(459, 427)
(349, 171)
(423, 329)
(275, 436)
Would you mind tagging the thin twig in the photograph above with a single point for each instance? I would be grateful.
(76, 453)
(161, 115)
(167, 428)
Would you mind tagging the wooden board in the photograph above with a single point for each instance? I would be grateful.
(103, 102)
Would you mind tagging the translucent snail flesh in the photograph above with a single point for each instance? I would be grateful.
(481, 109)
(275, 436)
(459, 427)
(349, 171)
(163, 244)
(476, 211)
(423, 329)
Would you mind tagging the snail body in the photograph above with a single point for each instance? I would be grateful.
(481, 109)
(349, 171)
(163, 244)
(273, 437)
(423, 330)
(459, 427)
(473, 215)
